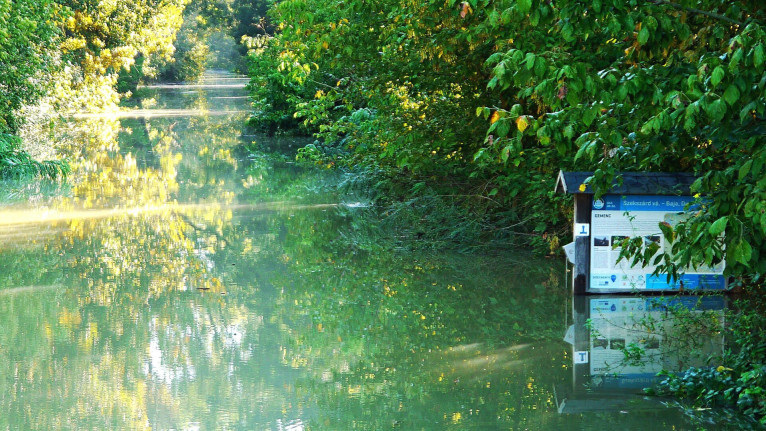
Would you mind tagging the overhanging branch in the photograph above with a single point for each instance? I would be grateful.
(698, 11)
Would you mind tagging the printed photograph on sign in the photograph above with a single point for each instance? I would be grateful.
(617, 219)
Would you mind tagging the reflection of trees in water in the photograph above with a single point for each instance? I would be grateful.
(311, 326)
(429, 341)
(141, 313)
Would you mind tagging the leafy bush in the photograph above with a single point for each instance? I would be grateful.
(16, 163)
(740, 381)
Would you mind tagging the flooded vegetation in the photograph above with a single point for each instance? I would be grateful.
(358, 228)
(180, 282)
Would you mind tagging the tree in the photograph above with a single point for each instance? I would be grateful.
(646, 86)
(27, 42)
(606, 85)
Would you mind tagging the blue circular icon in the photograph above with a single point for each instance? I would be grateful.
(598, 204)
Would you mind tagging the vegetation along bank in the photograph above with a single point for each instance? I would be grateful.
(455, 115)
(463, 113)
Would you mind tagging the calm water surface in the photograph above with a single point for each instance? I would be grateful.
(178, 282)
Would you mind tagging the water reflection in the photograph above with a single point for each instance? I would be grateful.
(620, 343)
(181, 285)
(157, 113)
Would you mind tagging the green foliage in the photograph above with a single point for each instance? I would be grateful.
(488, 99)
(28, 38)
(130, 78)
(605, 86)
(191, 51)
(394, 85)
(71, 52)
(273, 94)
(17, 164)
(653, 86)
(739, 382)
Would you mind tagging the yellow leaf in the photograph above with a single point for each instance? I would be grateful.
(522, 123)
(325, 45)
(318, 94)
(495, 116)
(465, 9)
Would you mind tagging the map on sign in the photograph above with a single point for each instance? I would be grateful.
(615, 218)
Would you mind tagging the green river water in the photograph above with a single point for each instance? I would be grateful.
(178, 282)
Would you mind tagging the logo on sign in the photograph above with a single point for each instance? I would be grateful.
(598, 204)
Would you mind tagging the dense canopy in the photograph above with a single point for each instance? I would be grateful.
(503, 94)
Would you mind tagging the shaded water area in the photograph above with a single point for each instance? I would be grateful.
(180, 282)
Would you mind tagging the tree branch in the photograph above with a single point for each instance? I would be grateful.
(698, 11)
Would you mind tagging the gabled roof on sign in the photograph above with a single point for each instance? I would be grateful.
(633, 183)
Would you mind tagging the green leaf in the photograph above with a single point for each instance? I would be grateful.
(503, 127)
(539, 67)
(742, 252)
(530, 60)
(568, 131)
(587, 148)
(717, 76)
(493, 18)
(736, 58)
(719, 226)
(643, 35)
(647, 128)
(524, 6)
(745, 169)
(505, 153)
(494, 58)
(731, 95)
(667, 231)
(479, 154)
(758, 55)
(588, 116)
(716, 110)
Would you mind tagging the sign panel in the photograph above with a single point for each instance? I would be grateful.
(615, 218)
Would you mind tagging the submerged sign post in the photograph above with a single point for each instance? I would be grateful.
(634, 209)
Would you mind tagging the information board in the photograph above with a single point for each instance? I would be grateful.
(615, 218)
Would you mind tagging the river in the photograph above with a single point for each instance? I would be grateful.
(180, 281)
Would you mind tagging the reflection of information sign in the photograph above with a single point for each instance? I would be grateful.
(615, 218)
(620, 323)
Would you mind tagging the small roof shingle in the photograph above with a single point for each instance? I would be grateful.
(633, 183)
